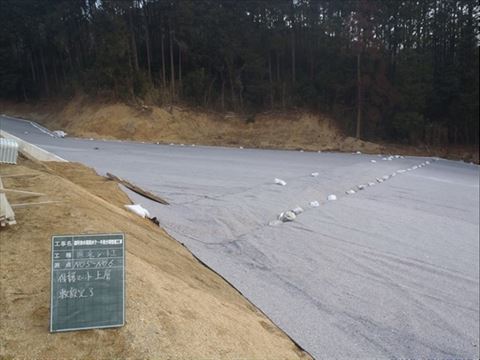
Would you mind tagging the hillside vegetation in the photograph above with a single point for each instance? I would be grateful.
(401, 71)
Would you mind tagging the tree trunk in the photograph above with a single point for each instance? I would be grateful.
(55, 75)
(164, 73)
(70, 61)
(359, 97)
(44, 69)
(240, 93)
(223, 94)
(134, 43)
(270, 78)
(64, 72)
(208, 93)
(278, 66)
(312, 66)
(25, 97)
(293, 57)
(32, 67)
(232, 88)
(172, 65)
(179, 68)
(293, 43)
(147, 42)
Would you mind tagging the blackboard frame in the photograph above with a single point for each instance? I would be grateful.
(116, 325)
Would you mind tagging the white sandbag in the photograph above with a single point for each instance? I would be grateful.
(315, 174)
(298, 210)
(314, 203)
(274, 222)
(287, 216)
(280, 182)
(60, 133)
(139, 210)
(332, 197)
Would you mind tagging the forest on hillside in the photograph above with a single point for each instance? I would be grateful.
(399, 70)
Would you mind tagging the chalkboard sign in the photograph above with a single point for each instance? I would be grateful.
(88, 282)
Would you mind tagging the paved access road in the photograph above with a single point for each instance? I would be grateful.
(391, 271)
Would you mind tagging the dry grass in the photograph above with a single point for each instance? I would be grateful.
(282, 130)
(290, 130)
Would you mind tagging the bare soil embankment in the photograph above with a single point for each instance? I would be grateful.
(289, 130)
(85, 117)
(175, 306)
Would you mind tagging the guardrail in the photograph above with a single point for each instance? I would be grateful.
(8, 151)
(31, 150)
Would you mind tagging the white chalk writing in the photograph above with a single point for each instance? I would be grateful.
(74, 293)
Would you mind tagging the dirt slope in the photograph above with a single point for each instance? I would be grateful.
(176, 308)
(85, 117)
(288, 130)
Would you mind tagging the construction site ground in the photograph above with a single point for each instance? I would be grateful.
(175, 306)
